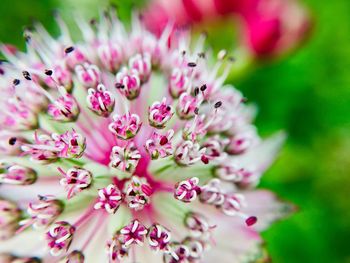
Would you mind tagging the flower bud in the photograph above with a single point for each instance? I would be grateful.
(133, 233)
(110, 199)
(75, 180)
(59, 237)
(159, 114)
(125, 158)
(128, 83)
(100, 101)
(16, 174)
(159, 146)
(188, 190)
(126, 126)
(88, 75)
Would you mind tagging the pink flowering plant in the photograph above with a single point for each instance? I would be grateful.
(127, 147)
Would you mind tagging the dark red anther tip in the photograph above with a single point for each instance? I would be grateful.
(251, 220)
(205, 159)
(163, 140)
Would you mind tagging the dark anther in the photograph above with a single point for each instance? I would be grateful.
(93, 21)
(231, 59)
(218, 104)
(27, 38)
(48, 72)
(203, 87)
(68, 50)
(196, 91)
(168, 108)
(201, 55)
(26, 75)
(183, 52)
(12, 140)
(119, 86)
(16, 82)
(191, 64)
(196, 111)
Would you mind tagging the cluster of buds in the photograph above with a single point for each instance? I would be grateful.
(141, 113)
(48, 149)
(135, 233)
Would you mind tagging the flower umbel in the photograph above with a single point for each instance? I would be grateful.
(132, 151)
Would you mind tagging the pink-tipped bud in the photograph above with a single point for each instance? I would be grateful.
(159, 114)
(133, 233)
(215, 148)
(10, 215)
(116, 250)
(59, 237)
(110, 56)
(75, 180)
(187, 106)
(159, 146)
(65, 108)
(159, 237)
(233, 204)
(179, 82)
(142, 64)
(128, 83)
(179, 253)
(198, 225)
(137, 193)
(188, 190)
(100, 101)
(75, 256)
(43, 212)
(196, 248)
(88, 75)
(212, 193)
(16, 174)
(70, 144)
(242, 140)
(109, 199)
(188, 153)
(125, 126)
(125, 158)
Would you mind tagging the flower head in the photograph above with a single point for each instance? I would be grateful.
(132, 146)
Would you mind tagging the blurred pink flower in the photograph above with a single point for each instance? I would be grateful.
(268, 27)
(140, 144)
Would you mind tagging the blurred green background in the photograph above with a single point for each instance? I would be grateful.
(306, 93)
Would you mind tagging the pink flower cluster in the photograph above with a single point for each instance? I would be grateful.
(131, 139)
